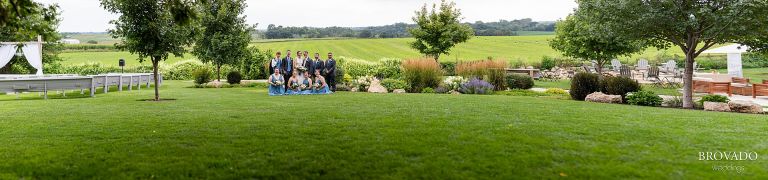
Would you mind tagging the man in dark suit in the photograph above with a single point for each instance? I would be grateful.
(318, 65)
(287, 66)
(308, 64)
(330, 72)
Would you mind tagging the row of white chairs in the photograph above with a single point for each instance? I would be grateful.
(63, 82)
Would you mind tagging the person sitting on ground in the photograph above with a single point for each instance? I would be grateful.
(276, 82)
(306, 84)
(320, 86)
(293, 85)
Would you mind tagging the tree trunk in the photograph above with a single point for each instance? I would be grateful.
(688, 80)
(599, 68)
(218, 72)
(155, 61)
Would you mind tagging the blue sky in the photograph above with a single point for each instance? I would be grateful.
(88, 16)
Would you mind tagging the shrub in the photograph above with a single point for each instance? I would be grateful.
(557, 91)
(182, 70)
(449, 68)
(492, 71)
(234, 77)
(708, 63)
(388, 68)
(92, 42)
(584, 84)
(519, 81)
(676, 101)
(421, 73)
(392, 84)
(548, 63)
(713, 98)
(453, 83)
(442, 89)
(362, 83)
(202, 76)
(256, 64)
(644, 98)
(428, 90)
(619, 86)
(356, 67)
(476, 86)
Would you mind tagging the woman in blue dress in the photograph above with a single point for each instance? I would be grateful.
(306, 85)
(276, 82)
(293, 85)
(320, 86)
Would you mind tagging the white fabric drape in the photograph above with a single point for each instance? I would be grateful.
(34, 56)
(6, 54)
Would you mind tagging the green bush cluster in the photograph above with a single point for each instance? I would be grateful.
(449, 68)
(556, 91)
(385, 68)
(202, 75)
(519, 81)
(713, 98)
(234, 77)
(89, 47)
(547, 62)
(98, 68)
(584, 84)
(428, 90)
(256, 66)
(619, 86)
(392, 84)
(644, 98)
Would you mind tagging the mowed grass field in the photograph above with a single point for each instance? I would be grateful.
(242, 133)
(111, 58)
(529, 49)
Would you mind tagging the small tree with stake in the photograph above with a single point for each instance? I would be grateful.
(438, 32)
(152, 29)
(224, 36)
(577, 39)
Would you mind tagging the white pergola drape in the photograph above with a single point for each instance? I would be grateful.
(34, 56)
(31, 53)
(6, 54)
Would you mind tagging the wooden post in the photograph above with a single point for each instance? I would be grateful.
(40, 46)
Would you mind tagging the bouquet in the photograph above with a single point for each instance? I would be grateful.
(302, 86)
(318, 86)
(301, 68)
(278, 83)
(294, 86)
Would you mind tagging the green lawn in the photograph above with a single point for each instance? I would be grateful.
(756, 75)
(244, 134)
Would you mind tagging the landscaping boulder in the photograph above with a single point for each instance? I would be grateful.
(455, 92)
(745, 107)
(603, 98)
(717, 106)
(376, 87)
(399, 91)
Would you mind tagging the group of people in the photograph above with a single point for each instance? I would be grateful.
(305, 75)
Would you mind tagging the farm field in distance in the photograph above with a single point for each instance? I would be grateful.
(530, 47)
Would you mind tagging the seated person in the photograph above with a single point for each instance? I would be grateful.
(293, 85)
(276, 82)
(320, 86)
(306, 84)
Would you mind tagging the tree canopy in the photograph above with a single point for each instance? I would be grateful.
(691, 25)
(224, 36)
(578, 39)
(32, 20)
(153, 28)
(439, 30)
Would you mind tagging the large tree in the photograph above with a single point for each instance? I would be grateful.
(439, 30)
(691, 25)
(153, 29)
(578, 39)
(224, 35)
(31, 21)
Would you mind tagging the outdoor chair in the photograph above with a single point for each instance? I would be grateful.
(653, 76)
(642, 65)
(587, 69)
(626, 72)
(670, 67)
(616, 64)
(760, 89)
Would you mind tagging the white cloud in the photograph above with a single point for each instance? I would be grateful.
(87, 15)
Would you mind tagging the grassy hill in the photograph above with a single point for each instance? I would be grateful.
(513, 48)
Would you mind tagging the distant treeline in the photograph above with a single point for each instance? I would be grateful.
(398, 30)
